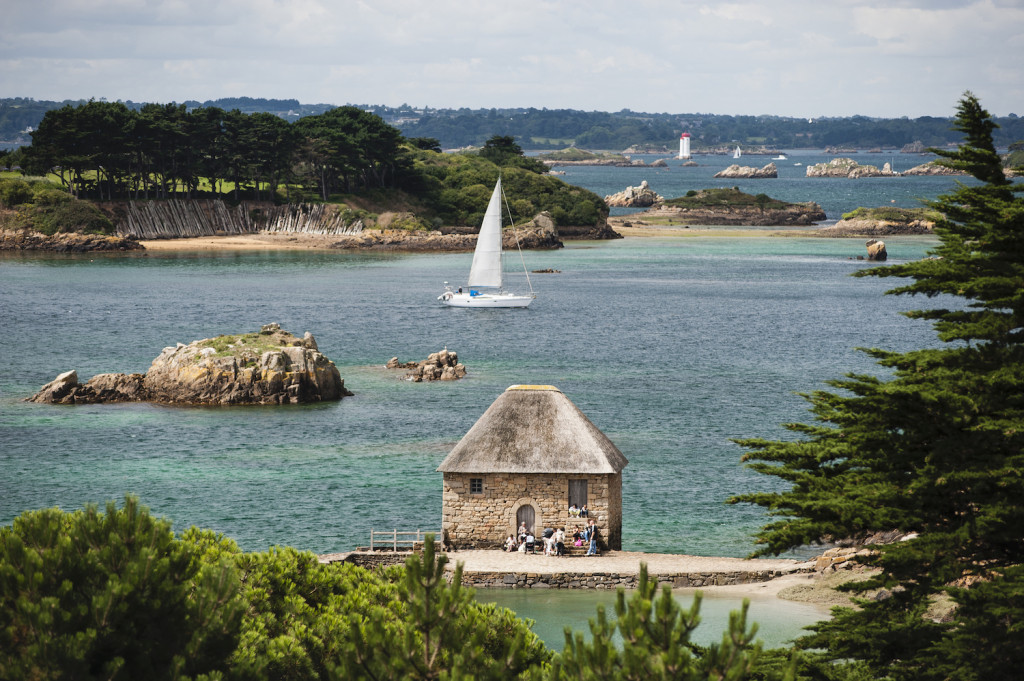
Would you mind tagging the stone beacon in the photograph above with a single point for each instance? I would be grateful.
(530, 457)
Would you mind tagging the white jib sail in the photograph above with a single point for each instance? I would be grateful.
(486, 269)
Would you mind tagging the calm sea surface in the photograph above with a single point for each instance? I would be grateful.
(672, 346)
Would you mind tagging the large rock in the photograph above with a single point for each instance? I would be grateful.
(847, 167)
(876, 250)
(634, 197)
(271, 367)
(749, 172)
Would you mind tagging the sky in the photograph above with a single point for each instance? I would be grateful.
(803, 58)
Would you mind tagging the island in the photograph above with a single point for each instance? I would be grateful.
(269, 367)
(724, 206)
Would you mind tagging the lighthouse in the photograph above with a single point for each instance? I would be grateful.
(684, 145)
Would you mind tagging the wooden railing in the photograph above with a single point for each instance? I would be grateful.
(396, 539)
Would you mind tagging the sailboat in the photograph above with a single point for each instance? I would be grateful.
(483, 289)
(737, 153)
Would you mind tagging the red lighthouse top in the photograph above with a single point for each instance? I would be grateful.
(685, 134)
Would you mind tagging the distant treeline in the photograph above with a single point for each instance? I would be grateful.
(556, 129)
(559, 128)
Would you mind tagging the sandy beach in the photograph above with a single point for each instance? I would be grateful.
(243, 242)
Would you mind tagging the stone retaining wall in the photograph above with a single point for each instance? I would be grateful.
(609, 580)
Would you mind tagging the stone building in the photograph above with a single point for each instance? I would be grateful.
(530, 456)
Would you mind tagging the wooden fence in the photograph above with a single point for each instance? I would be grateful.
(399, 540)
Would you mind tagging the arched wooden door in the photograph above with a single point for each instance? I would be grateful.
(527, 515)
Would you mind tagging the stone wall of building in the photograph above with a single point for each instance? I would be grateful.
(486, 518)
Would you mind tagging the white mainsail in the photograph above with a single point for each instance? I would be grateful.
(486, 268)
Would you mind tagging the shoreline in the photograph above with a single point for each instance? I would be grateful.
(486, 569)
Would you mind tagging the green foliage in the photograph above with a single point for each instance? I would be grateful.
(655, 633)
(115, 595)
(110, 595)
(724, 196)
(445, 633)
(14, 192)
(937, 450)
(458, 187)
(502, 151)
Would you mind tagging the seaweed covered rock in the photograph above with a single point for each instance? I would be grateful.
(269, 367)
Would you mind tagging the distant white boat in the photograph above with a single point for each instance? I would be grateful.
(780, 157)
(486, 270)
(737, 153)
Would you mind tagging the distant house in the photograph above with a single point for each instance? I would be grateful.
(530, 456)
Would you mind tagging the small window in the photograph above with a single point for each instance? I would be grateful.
(577, 493)
(476, 485)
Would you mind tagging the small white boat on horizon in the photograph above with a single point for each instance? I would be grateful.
(484, 286)
(780, 157)
(737, 153)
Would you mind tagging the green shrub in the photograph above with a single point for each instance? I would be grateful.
(72, 215)
(14, 192)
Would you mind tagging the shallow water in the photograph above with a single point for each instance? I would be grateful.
(554, 610)
(670, 346)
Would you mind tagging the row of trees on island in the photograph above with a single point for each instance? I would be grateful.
(934, 451)
(106, 151)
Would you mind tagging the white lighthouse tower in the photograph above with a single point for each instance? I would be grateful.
(684, 145)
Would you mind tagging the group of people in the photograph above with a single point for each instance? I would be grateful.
(553, 540)
(578, 512)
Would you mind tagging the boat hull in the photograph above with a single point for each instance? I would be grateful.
(485, 300)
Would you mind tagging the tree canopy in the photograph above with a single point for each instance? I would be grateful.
(936, 451)
(116, 595)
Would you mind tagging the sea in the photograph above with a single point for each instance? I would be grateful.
(673, 346)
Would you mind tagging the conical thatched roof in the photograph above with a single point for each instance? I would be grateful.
(534, 429)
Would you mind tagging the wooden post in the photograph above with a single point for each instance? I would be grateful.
(395, 549)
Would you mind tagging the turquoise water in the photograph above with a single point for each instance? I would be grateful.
(552, 611)
(671, 347)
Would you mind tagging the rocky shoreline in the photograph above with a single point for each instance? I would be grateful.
(65, 242)
(803, 214)
(269, 367)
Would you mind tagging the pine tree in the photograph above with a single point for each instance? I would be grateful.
(655, 644)
(936, 450)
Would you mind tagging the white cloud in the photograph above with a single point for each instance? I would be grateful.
(798, 57)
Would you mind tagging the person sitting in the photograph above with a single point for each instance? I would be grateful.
(510, 544)
(522, 547)
(522, 532)
(583, 511)
(573, 511)
(577, 536)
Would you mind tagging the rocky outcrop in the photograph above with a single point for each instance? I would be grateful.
(739, 172)
(602, 230)
(438, 366)
(876, 250)
(65, 242)
(863, 227)
(798, 214)
(634, 197)
(271, 367)
(932, 168)
(847, 167)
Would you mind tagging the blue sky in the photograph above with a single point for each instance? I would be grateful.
(806, 58)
